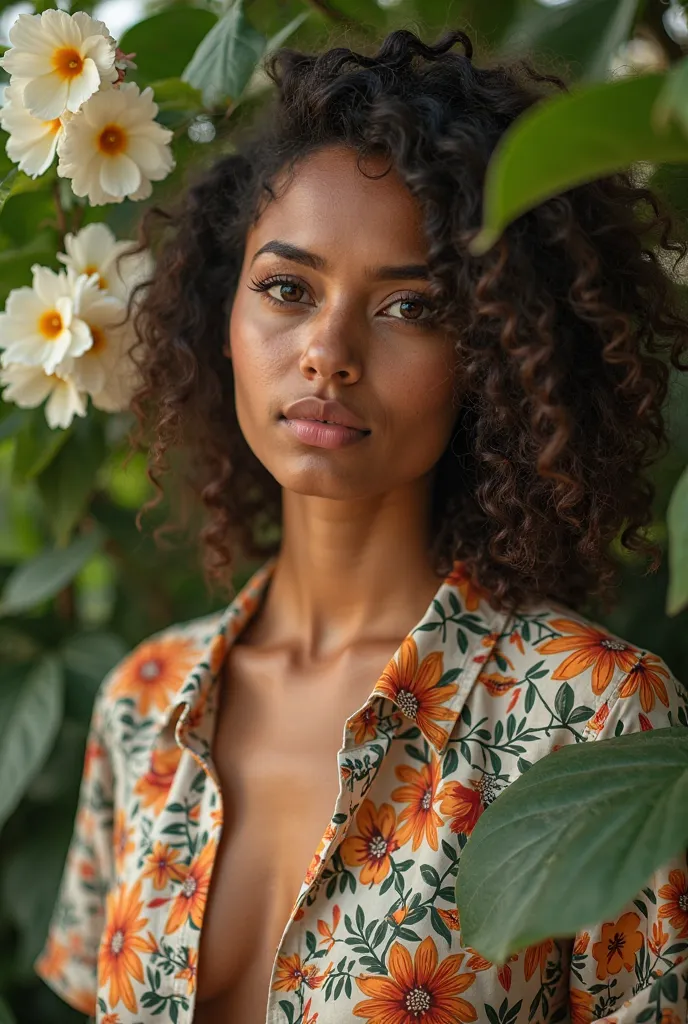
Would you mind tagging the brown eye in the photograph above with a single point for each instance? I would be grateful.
(412, 309)
(288, 291)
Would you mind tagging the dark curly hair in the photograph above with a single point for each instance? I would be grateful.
(564, 329)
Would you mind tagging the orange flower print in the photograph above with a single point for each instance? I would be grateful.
(581, 1006)
(191, 899)
(648, 674)
(597, 721)
(161, 866)
(591, 646)
(376, 839)
(450, 918)
(190, 972)
(118, 959)
(314, 865)
(53, 958)
(399, 915)
(513, 700)
(618, 945)
(420, 819)
(122, 840)
(496, 683)
(328, 940)
(417, 989)
(93, 752)
(536, 957)
(659, 938)
(517, 639)
(669, 1017)
(155, 671)
(216, 655)
(291, 974)
(471, 592)
(111, 1018)
(463, 805)
(154, 785)
(676, 910)
(307, 1019)
(414, 690)
(364, 724)
(581, 944)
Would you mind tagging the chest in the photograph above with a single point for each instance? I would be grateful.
(277, 734)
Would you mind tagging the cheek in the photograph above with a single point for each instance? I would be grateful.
(419, 393)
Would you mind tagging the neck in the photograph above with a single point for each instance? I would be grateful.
(349, 572)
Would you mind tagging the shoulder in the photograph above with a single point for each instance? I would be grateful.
(590, 677)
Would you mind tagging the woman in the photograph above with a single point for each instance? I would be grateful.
(449, 444)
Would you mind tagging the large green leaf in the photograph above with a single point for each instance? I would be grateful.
(69, 479)
(30, 715)
(583, 33)
(6, 1015)
(227, 57)
(6, 186)
(44, 576)
(569, 843)
(165, 42)
(259, 79)
(570, 139)
(677, 525)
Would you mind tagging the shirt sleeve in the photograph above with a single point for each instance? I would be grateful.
(68, 961)
(634, 969)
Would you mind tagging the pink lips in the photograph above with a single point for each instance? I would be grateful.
(306, 418)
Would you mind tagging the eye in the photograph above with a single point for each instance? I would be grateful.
(289, 290)
(412, 307)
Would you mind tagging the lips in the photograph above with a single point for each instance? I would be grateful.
(329, 412)
(320, 424)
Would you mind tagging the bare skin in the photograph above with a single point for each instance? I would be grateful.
(353, 574)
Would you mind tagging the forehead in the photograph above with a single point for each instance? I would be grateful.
(330, 206)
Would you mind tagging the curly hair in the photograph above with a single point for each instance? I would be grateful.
(564, 329)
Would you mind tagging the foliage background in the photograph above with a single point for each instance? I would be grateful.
(79, 583)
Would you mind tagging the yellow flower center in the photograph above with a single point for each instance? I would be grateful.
(55, 125)
(408, 703)
(90, 269)
(99, 342)
(68, 62)
(50, 324)
(112, 140)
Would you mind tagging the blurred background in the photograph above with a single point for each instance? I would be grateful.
(79, 583)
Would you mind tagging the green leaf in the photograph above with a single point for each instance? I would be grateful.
(44, 576)
(30, 715)
(584, 33)
(677, 525)
(175, 94)
(165, 42)
(570, 842)
(226, 58)
(672, 102)
(36, 446)
(571, 139)
(69, 479)
(6, 186)
(259, 80)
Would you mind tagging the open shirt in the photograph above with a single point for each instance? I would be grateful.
(471, 698)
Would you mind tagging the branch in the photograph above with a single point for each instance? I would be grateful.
(326, 8)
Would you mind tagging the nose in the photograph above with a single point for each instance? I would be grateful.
(328, 351)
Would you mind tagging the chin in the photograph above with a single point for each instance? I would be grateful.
(321, 481)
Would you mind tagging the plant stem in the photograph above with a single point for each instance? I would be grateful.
(329, 11)
(61, 216)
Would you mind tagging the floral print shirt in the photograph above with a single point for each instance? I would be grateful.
(469, 701)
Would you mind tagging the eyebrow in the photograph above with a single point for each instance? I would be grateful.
(296, 254)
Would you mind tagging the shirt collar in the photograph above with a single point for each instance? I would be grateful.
(428, 678)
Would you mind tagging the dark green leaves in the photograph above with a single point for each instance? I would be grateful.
(226, 58)
(569, 843)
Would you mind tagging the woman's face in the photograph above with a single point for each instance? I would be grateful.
(344, 318)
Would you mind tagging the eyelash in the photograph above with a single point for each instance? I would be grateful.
(269, 282)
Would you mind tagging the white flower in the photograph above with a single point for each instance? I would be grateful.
(28, 386)
(32, 142)
(105, 317)
(58, 60)
(113, 148)
(95, 250)
(40, 325)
